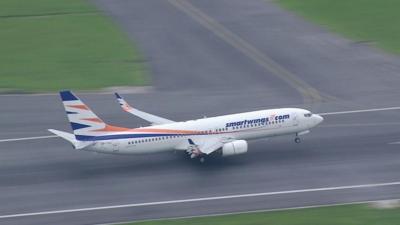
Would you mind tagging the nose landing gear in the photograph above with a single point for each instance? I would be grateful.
(297, 139)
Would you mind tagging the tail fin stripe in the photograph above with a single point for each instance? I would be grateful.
(68, 112)
(67, 96)
(79, 107)
(77, 126)
(97, 120)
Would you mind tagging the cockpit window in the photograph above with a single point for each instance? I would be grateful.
(308, 115)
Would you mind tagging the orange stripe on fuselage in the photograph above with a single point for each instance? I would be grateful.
(110, 128)
(155, 130)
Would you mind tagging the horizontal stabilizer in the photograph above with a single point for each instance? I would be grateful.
(70, 138)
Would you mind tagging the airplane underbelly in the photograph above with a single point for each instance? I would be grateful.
(150, 148)
(122, 147)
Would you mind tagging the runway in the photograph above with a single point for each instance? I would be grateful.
(232, 62)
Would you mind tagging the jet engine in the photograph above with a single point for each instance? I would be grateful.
(234, 148)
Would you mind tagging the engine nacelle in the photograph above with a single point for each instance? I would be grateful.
(234, 148)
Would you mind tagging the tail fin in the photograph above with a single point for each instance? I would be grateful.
(83, 121)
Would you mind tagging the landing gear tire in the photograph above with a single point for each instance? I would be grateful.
(297, 140)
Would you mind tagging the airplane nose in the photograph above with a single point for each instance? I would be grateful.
(318, 119)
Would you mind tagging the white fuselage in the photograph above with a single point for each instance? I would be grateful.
(241, 126)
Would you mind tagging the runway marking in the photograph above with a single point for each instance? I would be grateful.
(395, 143)
(250, 211)
(27, 138)
(360, 111)
(361, 125)
(201, 199)
(309, 93)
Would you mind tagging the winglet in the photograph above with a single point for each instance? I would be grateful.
(191, 142)
(124, 105)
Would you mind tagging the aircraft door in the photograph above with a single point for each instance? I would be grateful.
(114, 146)
(295, 119)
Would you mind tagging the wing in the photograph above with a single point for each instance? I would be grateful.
(359, 111)
(153, 119)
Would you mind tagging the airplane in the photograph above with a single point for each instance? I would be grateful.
(223, 135)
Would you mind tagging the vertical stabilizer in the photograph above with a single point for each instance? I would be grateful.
(83, 121)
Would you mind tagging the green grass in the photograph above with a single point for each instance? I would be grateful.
(362, 20)
(48, 45)
(360, 214)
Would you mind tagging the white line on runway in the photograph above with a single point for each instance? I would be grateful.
(361, 124)
(251, 211)
(27, 138)
(201, 199)
(360, 111)
(395, 143)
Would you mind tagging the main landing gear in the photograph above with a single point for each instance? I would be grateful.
(202, 159)
(297, 139)
(195, 152)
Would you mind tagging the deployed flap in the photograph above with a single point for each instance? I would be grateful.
(153, 119)
(210, 146)
(205, 145)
